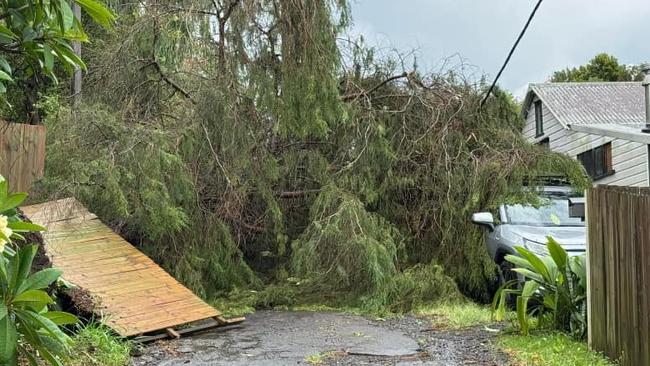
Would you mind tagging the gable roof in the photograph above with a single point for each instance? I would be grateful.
(617, 103)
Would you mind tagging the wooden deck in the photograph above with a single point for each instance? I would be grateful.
(135, 296)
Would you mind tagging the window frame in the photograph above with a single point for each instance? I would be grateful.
(539, 118)
(591, 159)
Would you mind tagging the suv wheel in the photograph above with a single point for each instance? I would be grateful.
(506, 273)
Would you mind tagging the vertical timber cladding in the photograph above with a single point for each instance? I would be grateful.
(619, 273)
(22, 154)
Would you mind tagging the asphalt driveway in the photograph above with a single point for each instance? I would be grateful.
(303, 338)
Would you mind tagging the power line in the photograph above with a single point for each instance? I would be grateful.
(512, 50)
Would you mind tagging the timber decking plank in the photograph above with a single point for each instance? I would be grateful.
(135, 296)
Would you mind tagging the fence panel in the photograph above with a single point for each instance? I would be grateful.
(619, 273)
(22, 154)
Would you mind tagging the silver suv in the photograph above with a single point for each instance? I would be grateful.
(528, 226)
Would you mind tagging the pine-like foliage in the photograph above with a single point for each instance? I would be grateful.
(346, 248)
(233, 141)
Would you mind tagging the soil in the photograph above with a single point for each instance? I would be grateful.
(303, 338)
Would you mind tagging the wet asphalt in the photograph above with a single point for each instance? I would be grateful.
(278, 338)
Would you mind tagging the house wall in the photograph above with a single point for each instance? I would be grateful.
(629, 159)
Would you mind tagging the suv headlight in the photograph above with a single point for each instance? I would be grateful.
(536, 247)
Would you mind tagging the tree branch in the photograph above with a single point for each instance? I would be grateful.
(171, 83)
(295, 194)
(350, 97)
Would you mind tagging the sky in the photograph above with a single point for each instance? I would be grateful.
(481, 32)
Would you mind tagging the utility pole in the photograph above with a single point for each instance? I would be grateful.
(76, 47)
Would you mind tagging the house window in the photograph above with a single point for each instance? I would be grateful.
(598, 161)
(539, 119)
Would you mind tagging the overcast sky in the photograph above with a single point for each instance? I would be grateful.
(563, 33)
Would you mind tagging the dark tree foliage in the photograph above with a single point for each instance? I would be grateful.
(230, 140)
(603, 67)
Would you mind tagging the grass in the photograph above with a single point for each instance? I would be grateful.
(457, 315)
(236, 303)
(96, 345)
(537, 349)
(318, 358)
(549, 349)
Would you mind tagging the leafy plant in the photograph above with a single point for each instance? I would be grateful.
(554, 290)
(40, 32)
(27, 327)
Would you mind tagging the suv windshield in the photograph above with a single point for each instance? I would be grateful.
(554, 211)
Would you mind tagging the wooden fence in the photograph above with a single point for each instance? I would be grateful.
(619, 273)
(22, 154)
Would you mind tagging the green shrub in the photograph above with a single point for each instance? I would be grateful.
(554, 291)
(27, 327)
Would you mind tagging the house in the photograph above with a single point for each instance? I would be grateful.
(599, 123)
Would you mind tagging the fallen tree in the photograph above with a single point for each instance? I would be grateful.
(246, 153)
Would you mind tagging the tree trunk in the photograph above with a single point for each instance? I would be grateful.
(76, 77)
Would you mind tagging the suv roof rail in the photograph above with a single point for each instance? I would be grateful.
(547, 180)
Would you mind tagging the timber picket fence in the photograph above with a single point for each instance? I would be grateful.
(618, 261)
(22, 154)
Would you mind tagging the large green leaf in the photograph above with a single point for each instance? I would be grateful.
(13, 268)
(12, 201)
(6, 35)
(4, 188)
(33, 299)
(66, 16)
(5, 76)
(40, 279)
(8, 342)
(97, 11)
(45, 324)
(500, 299)
(5, 65)
(578, 267)
(529, 274)
(52, 359)
(22, 226)
(25, 258)
(3, 310)
(530, 287)
(535, 261)
(61, 317)
(558, 254)
(48, 58)
(67, 56)
(520, 262)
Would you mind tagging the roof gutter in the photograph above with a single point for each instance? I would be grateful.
(631, 134)
(646, 86)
